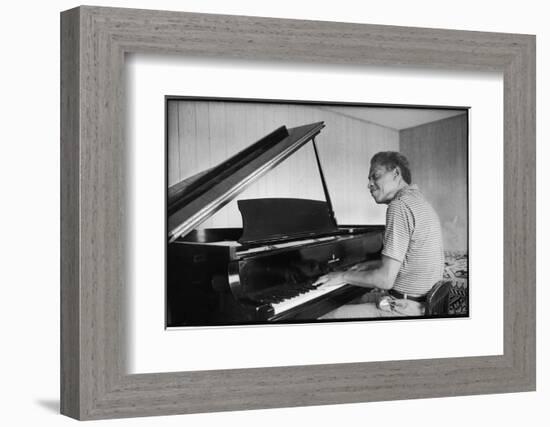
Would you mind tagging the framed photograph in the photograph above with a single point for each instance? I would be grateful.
(258, 182)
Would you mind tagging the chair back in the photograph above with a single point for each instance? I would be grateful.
(437, 299)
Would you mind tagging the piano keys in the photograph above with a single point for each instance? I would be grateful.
(268, 270)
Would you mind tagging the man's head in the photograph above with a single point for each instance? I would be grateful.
(389, 173)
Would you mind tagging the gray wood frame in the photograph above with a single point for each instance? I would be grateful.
(94, 40)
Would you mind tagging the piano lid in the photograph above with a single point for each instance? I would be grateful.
(193, 200)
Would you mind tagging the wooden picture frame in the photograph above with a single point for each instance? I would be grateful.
(94, 383)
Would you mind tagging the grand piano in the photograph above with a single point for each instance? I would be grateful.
(268, 270)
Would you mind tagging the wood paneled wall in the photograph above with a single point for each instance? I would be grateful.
(202, 134)
(438, 155)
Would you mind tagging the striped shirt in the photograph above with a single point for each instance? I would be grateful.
(413, 237)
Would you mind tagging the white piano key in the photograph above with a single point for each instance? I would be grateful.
(297, 300)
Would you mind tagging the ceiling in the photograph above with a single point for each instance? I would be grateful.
(395, 117)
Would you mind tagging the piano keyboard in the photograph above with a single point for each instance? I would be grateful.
(302, 298)
(282, 300)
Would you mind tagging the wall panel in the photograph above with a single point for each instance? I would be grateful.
(438, 154)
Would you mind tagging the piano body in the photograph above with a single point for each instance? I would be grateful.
(267, 270)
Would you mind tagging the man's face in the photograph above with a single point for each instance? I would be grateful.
(383, 183)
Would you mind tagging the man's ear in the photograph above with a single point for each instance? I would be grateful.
(397, 172)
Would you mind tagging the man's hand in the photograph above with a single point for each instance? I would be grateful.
(337, 277)
(331, 279)
(381, 275)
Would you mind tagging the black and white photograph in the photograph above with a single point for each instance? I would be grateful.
(293, 211)
(213, 187)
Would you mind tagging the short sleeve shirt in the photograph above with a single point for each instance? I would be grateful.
(413, 237)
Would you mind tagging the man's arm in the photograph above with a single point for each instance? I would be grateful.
(381, 277)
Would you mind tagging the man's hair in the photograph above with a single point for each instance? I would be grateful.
(391, 160)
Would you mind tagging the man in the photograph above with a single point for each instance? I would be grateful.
(412, 255)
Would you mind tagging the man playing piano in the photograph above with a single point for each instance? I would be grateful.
(412, 255)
